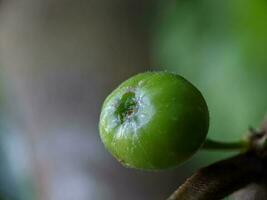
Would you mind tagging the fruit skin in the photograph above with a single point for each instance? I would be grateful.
(154, 120)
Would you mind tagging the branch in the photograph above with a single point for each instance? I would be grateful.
(222, 178)
(255, 191)
(241, 145)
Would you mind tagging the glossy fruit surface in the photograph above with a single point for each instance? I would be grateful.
(154, 120)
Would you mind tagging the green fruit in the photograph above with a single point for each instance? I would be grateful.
(154, 120)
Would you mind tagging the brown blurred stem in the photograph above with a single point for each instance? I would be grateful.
(222, 178)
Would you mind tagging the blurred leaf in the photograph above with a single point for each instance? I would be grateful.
(220, 47)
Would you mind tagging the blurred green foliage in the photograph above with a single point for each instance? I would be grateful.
(221, 47)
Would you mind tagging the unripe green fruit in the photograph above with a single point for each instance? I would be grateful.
(154, 120)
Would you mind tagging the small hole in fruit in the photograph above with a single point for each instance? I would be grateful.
(127, 106)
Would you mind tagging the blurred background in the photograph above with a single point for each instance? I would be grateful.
(59, 59)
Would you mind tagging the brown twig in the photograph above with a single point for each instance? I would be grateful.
(227, 176)
(222, 178)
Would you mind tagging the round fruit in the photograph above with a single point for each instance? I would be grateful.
(154, 120)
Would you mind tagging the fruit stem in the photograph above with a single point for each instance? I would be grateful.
(241, 145)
